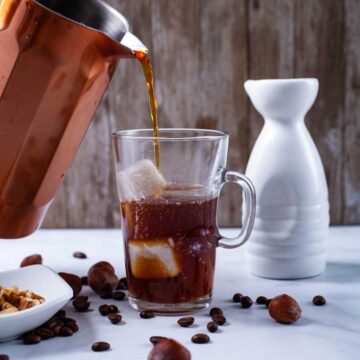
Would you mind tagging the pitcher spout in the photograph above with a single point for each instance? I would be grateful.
(130, 43)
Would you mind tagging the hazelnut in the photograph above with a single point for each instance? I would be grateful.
(284, 309)
(169, 349)
(102, 278)
(74, 281)
(35, 259)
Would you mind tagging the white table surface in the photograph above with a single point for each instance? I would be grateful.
(328, 332)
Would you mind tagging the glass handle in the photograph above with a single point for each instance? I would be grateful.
(248, 210)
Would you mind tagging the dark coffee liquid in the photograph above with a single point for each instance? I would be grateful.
(149, 77)
(170, 246)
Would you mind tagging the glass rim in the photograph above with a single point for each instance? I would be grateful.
(194, 134)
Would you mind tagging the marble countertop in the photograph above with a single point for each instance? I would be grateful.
(331, 332)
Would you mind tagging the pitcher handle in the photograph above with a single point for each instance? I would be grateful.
(249, 200)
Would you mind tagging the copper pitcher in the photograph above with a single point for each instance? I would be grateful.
(56, 60)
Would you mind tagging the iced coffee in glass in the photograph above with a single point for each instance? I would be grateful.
(168, 215)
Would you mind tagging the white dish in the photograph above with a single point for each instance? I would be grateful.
(43, 281)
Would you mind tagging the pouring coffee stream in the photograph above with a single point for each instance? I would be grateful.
(56, 60)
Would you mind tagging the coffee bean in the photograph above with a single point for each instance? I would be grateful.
(65, 331)
(147, 314)
(56, 329)
(104, 309)
(106, 294)
(261, 300)
(236, 297)
(84, 280)
(4, 357)
(319, 300)
(268, 301)
(60, 314)
(81, 306)
(80, 298)
(31, 338)
(200, 339)
(246, 302)
(122, 285)
(186, 321)
(215, 310)
(100, 346)
(219, 319)
(44, 333)
(113, 309)
(212, 326)
(73, 326)
(118, 295)
(50, 323)
(115, 318)
(79, 255)
(156, 339)
(67, 320)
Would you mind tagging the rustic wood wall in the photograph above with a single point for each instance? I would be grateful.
(203, 51)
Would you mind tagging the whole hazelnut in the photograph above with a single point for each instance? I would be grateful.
(102, 278)
(169, 349)
(74, 281)
(284, 309)
(35, 259)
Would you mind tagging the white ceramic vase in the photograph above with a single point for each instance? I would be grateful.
(292, 216)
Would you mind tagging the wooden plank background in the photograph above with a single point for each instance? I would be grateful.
(203, 51)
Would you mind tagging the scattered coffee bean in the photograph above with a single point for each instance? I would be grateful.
(60, 314)
(65, 331)
(81, 305)
(113, 309)
(44, 333)
(106, 294)
(212, 326)
(118, 295)
(56, 329)
(115, 318)
(31, 338)
(186, 321)
(268, 301)
(261, 300)
(246, 302)
(236, 297)
(122, 285)
(84, 280)
(80, 298)
(79, 255)
(319, 300)
(73, 326)
(219, 319)
(100, 346)
(156, 339)
(147, 314)
(67, 321)
(215, 310)
(4, 357)
(104, 309)
(200, 339)
(35, 259)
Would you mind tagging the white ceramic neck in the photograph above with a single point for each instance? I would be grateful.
(282, 100)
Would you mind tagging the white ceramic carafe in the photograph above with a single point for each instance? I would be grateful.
(292, 216)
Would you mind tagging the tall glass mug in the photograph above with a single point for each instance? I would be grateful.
(168, 215)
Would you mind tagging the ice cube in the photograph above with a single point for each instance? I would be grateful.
(153, 258)
(140, 180)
